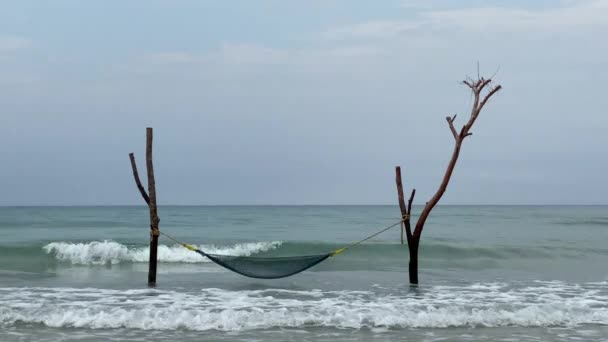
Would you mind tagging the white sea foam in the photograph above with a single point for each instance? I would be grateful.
(104, 252)
(217, 309)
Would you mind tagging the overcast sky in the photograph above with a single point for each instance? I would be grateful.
(301, 102)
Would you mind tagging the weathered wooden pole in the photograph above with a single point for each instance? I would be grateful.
(406, 213)
(151, 201)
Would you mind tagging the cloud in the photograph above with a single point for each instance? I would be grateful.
(371, 30)
(250, 55)
(418, 4)
(174, 57)
(234, 54)
(12, 71)
(401, 41)
(11, 44)
(402, 49)
(571, 16)
(363, 97)
(582, 15)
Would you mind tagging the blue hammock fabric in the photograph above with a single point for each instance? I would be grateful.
(266, 268)
(276, 267)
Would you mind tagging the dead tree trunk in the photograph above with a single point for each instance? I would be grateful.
(413, 239)
(151, 201)
(406, 225)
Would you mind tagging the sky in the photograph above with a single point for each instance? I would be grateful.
(301, 102)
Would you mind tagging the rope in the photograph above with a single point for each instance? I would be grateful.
(336, 252)
(174, 240)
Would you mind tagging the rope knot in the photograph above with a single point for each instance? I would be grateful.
(154, 232)
(405, 217)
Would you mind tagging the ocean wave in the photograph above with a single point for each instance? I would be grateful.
(110, 252)
(591, 221)
(481, 305)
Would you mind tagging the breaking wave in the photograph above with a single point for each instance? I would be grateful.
(481, 305)
(110, 252)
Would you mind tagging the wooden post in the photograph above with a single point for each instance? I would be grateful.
(151, 201)
(406, 212)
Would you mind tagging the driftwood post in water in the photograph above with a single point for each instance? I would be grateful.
(406, 212)
(151, 201)
(413, 239)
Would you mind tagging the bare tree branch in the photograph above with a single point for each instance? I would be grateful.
(474, 111)
(487, 97)
(409, 203)
(483, 83)
(142, 191)
(476, 88)
(495, 72)
(450, 121)
(404, 210)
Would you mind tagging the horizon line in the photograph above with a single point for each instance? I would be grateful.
(297, 205)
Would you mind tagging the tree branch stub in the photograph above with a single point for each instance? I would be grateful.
(450, 121)
(409, 203)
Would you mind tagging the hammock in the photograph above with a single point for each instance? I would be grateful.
(266, 268)
(271, 268)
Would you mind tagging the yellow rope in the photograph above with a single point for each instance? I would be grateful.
(190, 247)
(343, 249)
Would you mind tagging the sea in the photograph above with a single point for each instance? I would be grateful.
(487, 273)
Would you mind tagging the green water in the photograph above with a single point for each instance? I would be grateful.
(487, 272)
